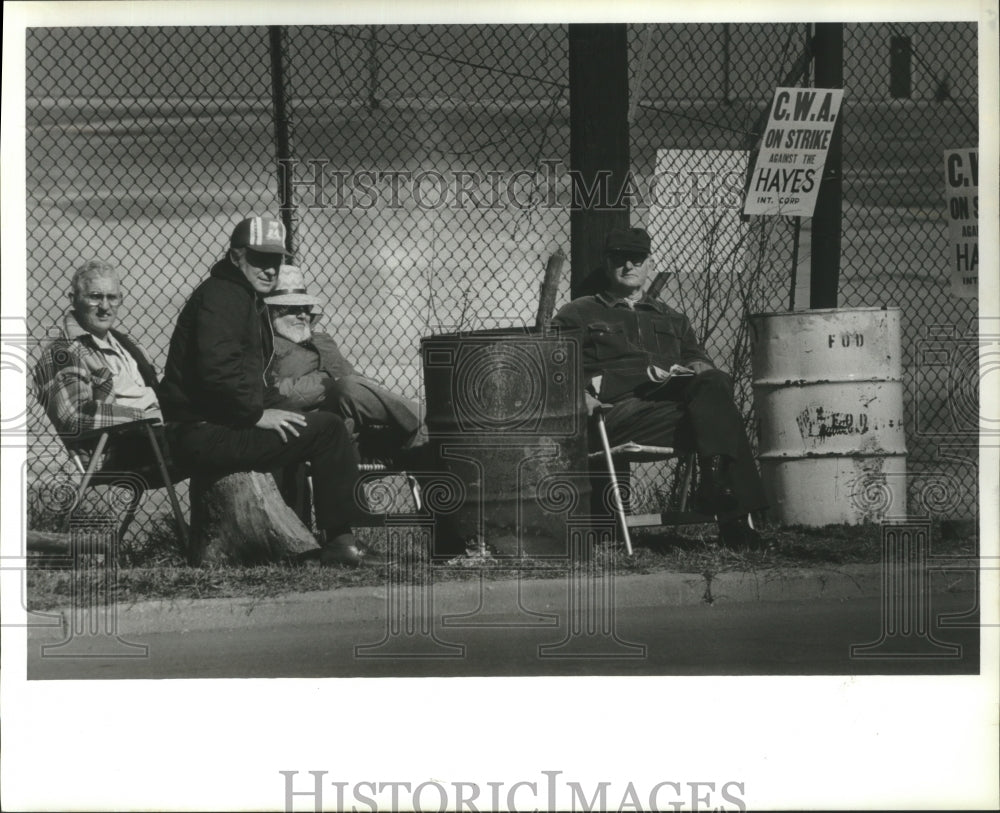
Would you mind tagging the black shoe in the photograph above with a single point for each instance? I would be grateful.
(715, 494)
(340, 550)
(737, 534)
(414, 458)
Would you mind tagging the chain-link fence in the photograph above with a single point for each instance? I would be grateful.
(430, 168)
(895, 247)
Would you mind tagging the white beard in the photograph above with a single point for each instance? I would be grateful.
(297, 333)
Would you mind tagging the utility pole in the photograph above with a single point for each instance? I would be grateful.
(598, 141)
(278, 42)
(828, 53)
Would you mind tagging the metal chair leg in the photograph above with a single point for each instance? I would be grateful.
(415, 491)
(615, 491)
(95, 461)
(686, 484)
(130, 513)
(174, 504)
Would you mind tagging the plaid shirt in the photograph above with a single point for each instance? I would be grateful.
(76, 387)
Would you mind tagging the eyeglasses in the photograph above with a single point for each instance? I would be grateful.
(292, 310)
(96, 299)
(619, 258)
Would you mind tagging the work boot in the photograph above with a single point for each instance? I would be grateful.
(715, 494)
(339, 549)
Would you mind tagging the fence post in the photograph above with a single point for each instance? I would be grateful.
(373, 102)
(828, 53)
(900, 52)
(278, 37)
(726, 44)
(598, 141)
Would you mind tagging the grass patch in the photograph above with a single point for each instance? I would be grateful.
(150, 568)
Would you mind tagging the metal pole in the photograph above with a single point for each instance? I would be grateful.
(828, 50)
(277, 37)
(640, 75)
(599, 148)
(373, 102)
(725, 62)
(795, 262)
(615, 487)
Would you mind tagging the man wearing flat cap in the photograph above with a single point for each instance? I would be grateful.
(215, 388)
(310, 372)
(625, 334)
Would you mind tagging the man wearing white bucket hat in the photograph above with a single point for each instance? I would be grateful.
(310, 373)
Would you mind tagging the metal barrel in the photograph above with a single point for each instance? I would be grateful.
(828, 395)
(506, 418)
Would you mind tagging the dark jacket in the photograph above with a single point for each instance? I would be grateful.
(222, 344)
(621, 342)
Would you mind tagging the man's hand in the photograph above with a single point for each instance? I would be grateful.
(700, 366)
(281, 421)
(592, 394)
(593, 404)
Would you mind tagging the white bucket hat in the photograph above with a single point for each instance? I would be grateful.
(290, 289)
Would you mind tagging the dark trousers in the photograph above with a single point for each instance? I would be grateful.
(131, 452)
(380, 420)
(324, 442)
(364, 402)
(692, 415)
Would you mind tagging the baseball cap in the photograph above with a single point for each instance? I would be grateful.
(260, 233)
(631, 241)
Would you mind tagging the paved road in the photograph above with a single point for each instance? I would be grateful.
(755, 638)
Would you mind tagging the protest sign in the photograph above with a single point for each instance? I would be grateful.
(789, 166)
(961, 187)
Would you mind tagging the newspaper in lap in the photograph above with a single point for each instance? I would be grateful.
(663, 378)
(659, 379)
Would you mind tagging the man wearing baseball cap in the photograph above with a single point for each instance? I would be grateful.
(625, 334)
(215, 388)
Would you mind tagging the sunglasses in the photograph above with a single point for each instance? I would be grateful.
(292, 310)
(619, 258)
(262, 259)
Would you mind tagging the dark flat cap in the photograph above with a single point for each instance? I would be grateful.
(634, 241)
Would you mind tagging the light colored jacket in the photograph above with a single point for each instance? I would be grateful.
(301, 372)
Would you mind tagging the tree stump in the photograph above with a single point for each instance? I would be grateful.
(242, 519)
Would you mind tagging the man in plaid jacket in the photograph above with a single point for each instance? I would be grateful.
(93, 376)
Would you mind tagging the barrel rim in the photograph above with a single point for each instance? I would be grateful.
(818, 311)
(513, 332)
(809, 382)
(832, 455)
